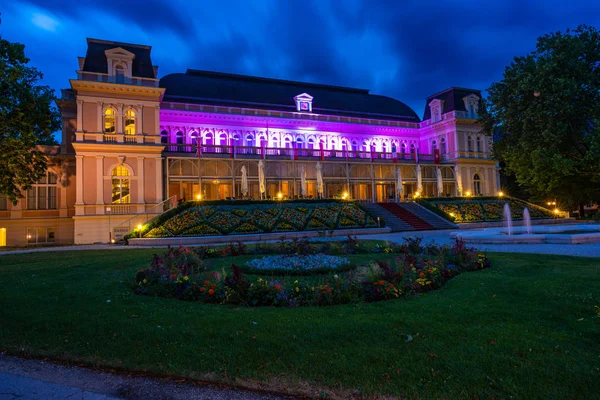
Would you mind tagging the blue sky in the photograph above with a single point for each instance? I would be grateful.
(403, 49)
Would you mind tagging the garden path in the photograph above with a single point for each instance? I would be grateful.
(33, 379)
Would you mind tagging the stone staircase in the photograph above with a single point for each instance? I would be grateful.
(431, 218)
(398, 210)
(391, 221)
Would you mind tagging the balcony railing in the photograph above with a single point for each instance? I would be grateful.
(100, 77)
(228, 151)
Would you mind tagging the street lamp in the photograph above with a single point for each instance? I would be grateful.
(500, 194)
(139, 228)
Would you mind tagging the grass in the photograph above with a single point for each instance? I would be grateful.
(526, 328)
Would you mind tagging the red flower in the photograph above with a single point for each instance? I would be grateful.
(211, 292)
(174, 276)
(277, 287)
(430, 271)
(421, 275)
(206, 282)
(202, 289)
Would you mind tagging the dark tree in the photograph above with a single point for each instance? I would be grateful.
(545, 113)
(27, 118)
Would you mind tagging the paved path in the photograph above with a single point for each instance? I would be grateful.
(443, 237)
(32, 380)
(440, 237)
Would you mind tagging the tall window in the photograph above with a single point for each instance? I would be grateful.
(299, 142)
(479, 144)
(42, 196)
(130, 122)
(433, 146)
(109, 121)
(3, 203)
(403, 148)
(412, 148)
(249, 140)
(477, 185)
(120, 185)
(469, 144)
(164, 137)
(443, 145)
(120, 74)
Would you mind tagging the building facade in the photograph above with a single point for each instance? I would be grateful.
(132, 141)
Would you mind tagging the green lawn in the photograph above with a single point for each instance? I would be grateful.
(524, 329)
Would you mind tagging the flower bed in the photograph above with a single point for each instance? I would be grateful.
(416, 268)
(258, 218)
(481, 210)
(297, 263)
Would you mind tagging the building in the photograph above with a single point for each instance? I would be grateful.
(131, 141)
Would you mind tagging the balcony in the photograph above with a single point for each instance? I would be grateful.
(99, 77)
(273, 153)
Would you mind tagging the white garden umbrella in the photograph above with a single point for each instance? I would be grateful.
(459, 187)
(261, 178)
(319, 168)
(244, 181)
(419, 180)
(303, 181)
(440, 182)
(399, 188)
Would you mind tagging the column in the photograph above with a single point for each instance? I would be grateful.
(159, 180)
(140, 180)
(99, 184)
(100, 128)
(139, 124)
(156, 121)
(79, 115)
(79, 185)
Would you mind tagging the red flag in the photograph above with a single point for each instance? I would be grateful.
(198, 150)
(263, 149)
(394, 153)
(436, 156)
(322, 151)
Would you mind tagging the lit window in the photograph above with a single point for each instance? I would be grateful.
(109, 121)
(130, 122)
(42, 195)
(120, 185)
(40, 235)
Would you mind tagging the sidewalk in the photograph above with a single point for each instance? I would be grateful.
(32, 380)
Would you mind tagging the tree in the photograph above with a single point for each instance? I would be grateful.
(545, 114)
(27, 119)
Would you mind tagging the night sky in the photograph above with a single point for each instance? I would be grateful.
(403, 49)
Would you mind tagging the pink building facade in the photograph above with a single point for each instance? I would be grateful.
(133, 142)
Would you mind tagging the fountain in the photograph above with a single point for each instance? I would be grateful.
(507, 219)
(527, 220)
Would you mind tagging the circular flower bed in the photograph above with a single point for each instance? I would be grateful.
(298, 263)
(410, 268)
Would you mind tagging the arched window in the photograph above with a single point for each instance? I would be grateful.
(476, 185)
(479, 144)
(223, 139)
(208, 139)
(249, 140)
(443, 146)
(469, 144)
(299, 142)
(311, 143)
(287, 142)
(129, 122)
(120, 186)
(164, 137)
(354, 146)
(42, 195)
(412, 148)
(433, 146)
(237, 141)
(365, 146)
(120, 74)
(194, 138)
(403, 148)
(109, 121)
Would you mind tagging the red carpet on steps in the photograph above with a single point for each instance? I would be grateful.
(406, 216)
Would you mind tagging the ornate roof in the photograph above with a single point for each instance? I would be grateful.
(230, 90)
(452, 99)
(95, 58)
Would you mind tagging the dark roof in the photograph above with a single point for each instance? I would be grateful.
(95, 59)
(230, 90)
(453, 100)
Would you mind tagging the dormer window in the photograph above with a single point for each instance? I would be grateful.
(120, 74)
(435, 107)
(471, 105)
(303, 102)
(119, 65)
